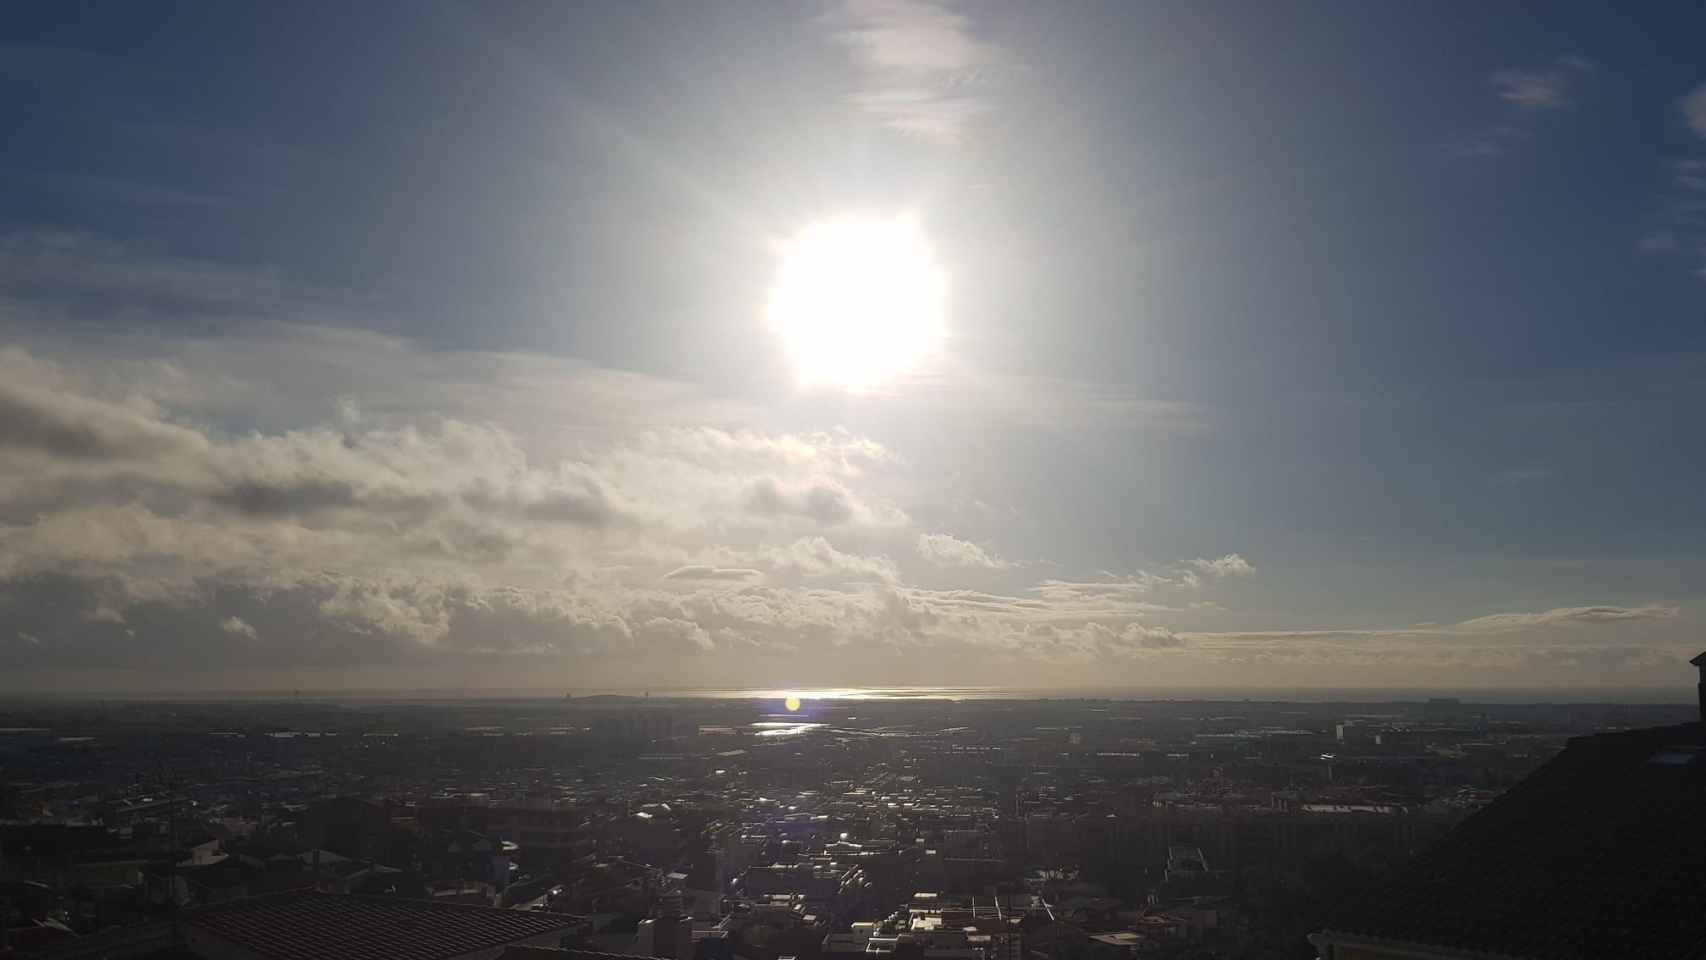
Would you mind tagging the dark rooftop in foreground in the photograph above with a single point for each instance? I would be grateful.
(307, 925)
(1599, 853)
(562, 953)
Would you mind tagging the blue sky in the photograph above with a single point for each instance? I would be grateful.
(1287, 344)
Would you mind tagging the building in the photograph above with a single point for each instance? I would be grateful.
(307, 925)
(668, 935)
(347, 826)
(558, 953)
(1599, 853)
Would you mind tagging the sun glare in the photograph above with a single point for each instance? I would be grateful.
(792, 703)
(858, 302)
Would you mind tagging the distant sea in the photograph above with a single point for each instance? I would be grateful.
(1631, 695)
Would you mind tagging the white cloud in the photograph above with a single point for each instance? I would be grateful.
(1129, 590)
(1523, 92)
(1694, 110)
(1475, 629)
(1558, 616)
(1531, 89)
(1231, 565)
(403, 534)
(672, 633)
(946, 550)
(1677, 226)
(705, 572)
(817, 557)
(924, 72)
(309, 498)
(1115, 590)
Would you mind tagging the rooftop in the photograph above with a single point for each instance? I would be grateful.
(1599, 853)
(307, 925)
(560, 953)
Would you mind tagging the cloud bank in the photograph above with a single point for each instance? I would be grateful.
(305, 504)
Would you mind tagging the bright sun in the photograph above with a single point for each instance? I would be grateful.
(858, 302)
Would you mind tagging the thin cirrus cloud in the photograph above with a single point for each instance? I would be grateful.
(1504, 648)
(1131, 589)
(1681, 204)
(1694, 110)
(922, 70)
(1500, 622)
(1523, 93)
(703, 572)
(1473, 631)
(1531, 89)
(1544, 88)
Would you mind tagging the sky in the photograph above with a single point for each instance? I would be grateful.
(429, 345)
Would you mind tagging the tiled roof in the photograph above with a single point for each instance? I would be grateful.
(306, 925)
(1599, 853)
(559, 953)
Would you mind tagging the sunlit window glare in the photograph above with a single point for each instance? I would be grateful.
(858, 302)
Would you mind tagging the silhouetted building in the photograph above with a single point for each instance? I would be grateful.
(305, 925)
(1599, 853)
(346, 826)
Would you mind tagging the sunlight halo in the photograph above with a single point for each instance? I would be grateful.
(858, 302)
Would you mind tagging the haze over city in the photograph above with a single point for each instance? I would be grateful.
(886, 343)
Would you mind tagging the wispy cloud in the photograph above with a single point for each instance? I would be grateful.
(1680, 208)
(1050, 403)
(923, 71)
(1500, 622)
(1231, 565)
(1527, 645)
(1531, 89)
(1491, 624)
(705, 572)
(1128, 590)
(1694, 110)
(1523, 92)
(946, 550)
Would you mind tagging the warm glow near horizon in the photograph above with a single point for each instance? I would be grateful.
(858, 302)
